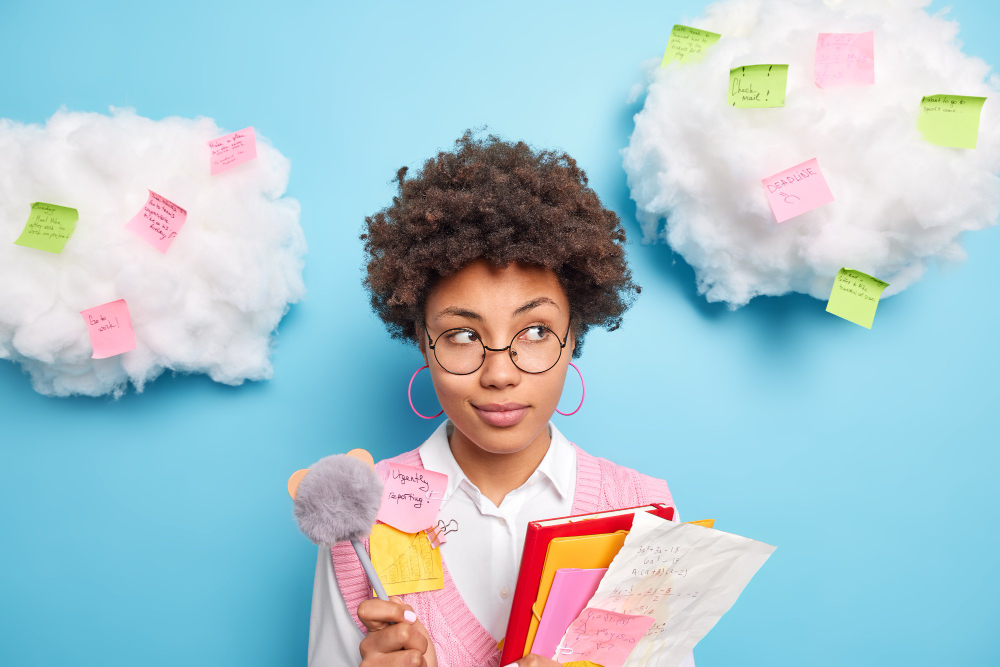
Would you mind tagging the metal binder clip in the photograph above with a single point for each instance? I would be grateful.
(436, 533)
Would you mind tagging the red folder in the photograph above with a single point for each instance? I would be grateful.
(536, 542)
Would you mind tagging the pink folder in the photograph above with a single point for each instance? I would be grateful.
(571, 590)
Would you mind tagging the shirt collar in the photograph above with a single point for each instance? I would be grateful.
(557, 464)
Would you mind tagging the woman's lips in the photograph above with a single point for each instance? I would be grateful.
(501, 414)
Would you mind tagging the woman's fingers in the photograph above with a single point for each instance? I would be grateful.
(393, 638)
(410, 658)
(532, 660)
(378, 614)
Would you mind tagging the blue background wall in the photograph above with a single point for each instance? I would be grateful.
(156, 530)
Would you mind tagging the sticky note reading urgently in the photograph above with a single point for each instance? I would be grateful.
(602, 636)
(411, 498)
(855, 297)
(158, 222)
(110, 329)
(687, 45)
(405, 562)
(794, 191)
(48, 227)
(950, 120)
(233, 150)
(758, 86)
(845, 59)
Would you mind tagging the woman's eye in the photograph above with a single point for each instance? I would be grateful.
(534, 334)
(463, 337)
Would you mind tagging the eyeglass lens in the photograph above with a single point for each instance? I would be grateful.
(534, 350)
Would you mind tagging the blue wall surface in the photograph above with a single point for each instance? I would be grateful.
(156, 530)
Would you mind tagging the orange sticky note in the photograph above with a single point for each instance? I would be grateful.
(110, 329)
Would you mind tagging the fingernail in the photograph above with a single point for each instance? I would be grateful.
(410, 616)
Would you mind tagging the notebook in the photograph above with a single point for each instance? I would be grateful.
(571, 590)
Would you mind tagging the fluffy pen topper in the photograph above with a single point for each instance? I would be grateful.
(338, 498)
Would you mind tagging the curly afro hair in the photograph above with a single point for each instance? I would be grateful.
(505, 203)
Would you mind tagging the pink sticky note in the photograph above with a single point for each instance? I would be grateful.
(794, 191)
(571, 590)
(845, 59)
(158, 222)
(602, 636)
(232, 150)
(110, 329)
(411, 498)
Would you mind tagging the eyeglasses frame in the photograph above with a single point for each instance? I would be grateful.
(432, 344)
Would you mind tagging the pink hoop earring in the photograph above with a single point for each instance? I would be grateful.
(583, 395)
(409, 394)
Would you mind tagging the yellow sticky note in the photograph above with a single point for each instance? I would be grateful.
(405, 562)
(855, 297)
(687, 45)
(950, 120)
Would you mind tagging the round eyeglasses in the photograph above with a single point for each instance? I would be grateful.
(533, 349)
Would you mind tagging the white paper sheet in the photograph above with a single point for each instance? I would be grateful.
(684, 576)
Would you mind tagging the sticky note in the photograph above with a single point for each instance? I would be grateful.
(405, 562)
(758, 86)
(110, 329)
(845, 59)
(412, 497)
(950, 120)
(855, 297)
(158, 222)
(602, 636)
(48, 227)
(233, 150)
(687, 44)
(794, 191)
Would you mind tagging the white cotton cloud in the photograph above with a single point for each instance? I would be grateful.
(210, 304)
(695, 164)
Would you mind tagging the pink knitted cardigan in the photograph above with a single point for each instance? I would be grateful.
(459, 639)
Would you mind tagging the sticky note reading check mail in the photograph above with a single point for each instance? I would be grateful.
(411, 498)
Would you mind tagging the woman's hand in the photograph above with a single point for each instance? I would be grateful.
(532, 660)
(396, 637)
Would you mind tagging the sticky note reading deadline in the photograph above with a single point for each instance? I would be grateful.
(411, 498)
(233, 150)
(855, 297)
(687, 44)
(158, 222)
(757, 86)
(950, 120)
(794, 191)
(845, 59)
(602, 636)
(405, 562)
(110, 329)
(48, 227)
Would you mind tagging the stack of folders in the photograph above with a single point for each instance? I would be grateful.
(561, 567)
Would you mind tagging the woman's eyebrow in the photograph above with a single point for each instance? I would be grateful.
(459, 312)
(534, 303)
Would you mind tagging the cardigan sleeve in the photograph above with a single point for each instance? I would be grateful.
(333, 636)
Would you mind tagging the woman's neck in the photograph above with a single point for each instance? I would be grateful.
(496, 475)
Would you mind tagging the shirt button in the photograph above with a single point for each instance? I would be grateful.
(504, 592)
(503, 522)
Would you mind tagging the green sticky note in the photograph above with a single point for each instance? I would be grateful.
(48, 227)
(758, 86)
(687, 44)
(855, 297)
(950, 120)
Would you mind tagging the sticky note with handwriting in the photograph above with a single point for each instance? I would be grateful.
(757, 86)
(233, 150)
(845, 59)
(796, 190)
(602, 636)
(687, 45)
(110, 329)
(855, 297)
(158, 222)
(405, 562)
(412, 497)
(950, 120)
(48, 227)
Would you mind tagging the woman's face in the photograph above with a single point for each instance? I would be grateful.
(499, 407)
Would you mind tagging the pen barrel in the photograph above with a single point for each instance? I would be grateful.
(370, 570)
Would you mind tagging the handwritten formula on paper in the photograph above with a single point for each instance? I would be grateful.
(757, 86)
(233, 150)
(602, 636)
(411, 498)
(950, 120)
(794, 191)
(687, 44)
(48, 227)
(158, 222)
(845, 59)
(110, 329)
(855, 297)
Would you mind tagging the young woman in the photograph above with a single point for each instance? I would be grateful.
(495, 260)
